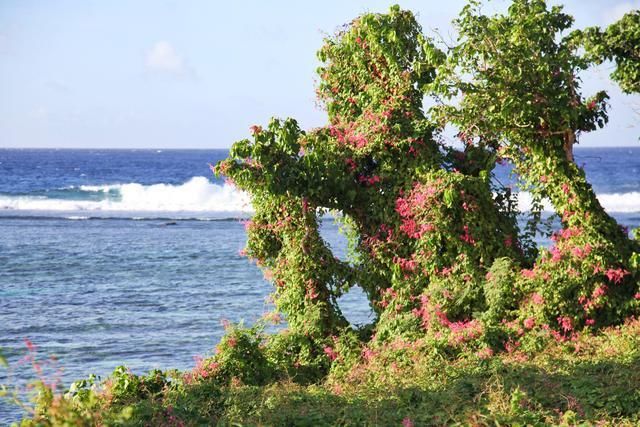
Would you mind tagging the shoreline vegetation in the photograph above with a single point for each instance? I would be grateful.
(474, 323)
(591, 380)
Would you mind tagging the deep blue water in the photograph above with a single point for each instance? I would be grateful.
(111, 257)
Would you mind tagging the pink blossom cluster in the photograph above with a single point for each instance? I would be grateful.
(465, 331)
(204, 368)
(368, 180)
(406, 264)
(616, 275)
(331, 353)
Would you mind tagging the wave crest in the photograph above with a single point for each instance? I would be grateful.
(613, 202)
(196, 195)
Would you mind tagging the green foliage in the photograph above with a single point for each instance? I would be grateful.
(619, 43)
(499, 291)
(426, 221)
(434, 240)
(473, 323)
(518, 77)
(586, 382)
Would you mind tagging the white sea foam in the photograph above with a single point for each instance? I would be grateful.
(204, 199)
(196, 195)
(613, 202)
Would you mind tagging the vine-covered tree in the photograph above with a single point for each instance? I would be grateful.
(434, 240)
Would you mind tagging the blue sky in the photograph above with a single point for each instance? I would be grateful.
(197, 74)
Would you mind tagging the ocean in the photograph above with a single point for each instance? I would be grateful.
(111, 257)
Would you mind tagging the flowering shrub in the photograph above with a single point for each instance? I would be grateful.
(457, 288)
(435, 241)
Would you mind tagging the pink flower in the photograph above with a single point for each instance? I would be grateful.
(446, 271)
(529, 274)
(351, 164)
(410, 227)
(508, 241)
(466, 236)
(578, 252)
(442, 317)
(599, 291)
(331, 353)
(407, 422)
(565, 322)
(255, 129)
(537, 299)
(570, 232)
(31, 347)
(312, 293)
(485, 353)
(405, 264)
(367, 353)
(616, 275)
(402, 207)
(529, 322)
(590, 322)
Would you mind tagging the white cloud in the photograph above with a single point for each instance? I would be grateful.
(164, 57)
(616, 12)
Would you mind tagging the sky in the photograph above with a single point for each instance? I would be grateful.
(198, 74)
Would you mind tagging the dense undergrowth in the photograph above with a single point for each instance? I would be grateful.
(474, 324)
(592, 380)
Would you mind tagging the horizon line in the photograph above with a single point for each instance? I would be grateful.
(577, 146)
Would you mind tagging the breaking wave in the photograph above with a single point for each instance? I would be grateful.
(196, 198)
(612, 202)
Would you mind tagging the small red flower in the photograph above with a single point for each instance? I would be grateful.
(407, 422)
(616, 276)
(529, 322)
(331, 353)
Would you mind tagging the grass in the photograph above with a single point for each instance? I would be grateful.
(593, 380)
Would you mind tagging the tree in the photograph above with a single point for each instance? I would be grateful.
(518, 78)
(435, 241)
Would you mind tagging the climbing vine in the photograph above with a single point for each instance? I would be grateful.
(435, 242)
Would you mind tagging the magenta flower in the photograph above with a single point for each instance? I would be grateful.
(616, 276)
(407, 422)
(529, 322)
(331, 353)
(537, 299)
(566, 324)
(599, 291)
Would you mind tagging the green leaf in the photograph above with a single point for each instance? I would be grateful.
(449, 197)
(3, 360)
